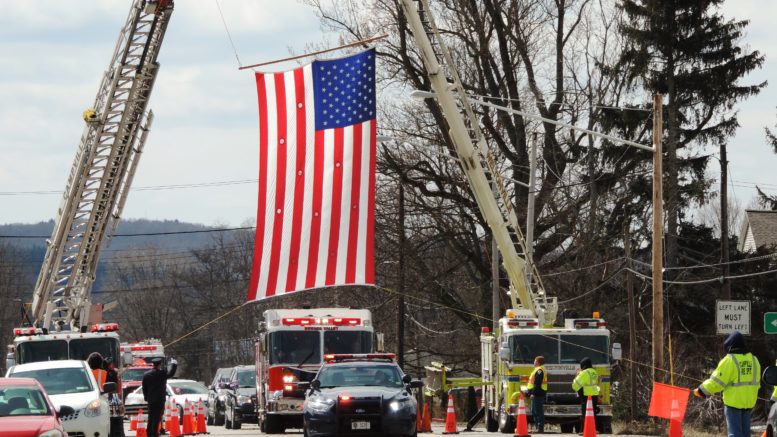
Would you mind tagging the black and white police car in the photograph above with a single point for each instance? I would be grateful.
(360, 394)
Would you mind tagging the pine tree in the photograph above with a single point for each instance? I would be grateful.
(688, 51)
(764, 199)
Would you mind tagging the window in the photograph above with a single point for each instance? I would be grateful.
(134, 374)
(60, 381)
(525, 348)
(34, 351)
(360, 376)
(347, 342)
(188, 388)
(108, 347)
(23, 401)
(576, 347)
(246, 378)
(295, 347)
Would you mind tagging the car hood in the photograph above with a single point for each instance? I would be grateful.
(77, 401)
(27, 425)
(360, 392)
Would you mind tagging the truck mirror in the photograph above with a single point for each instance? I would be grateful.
(617, 352)
(504, 353)
(126, 358)
(380, 345)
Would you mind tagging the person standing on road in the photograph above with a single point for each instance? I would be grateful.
(538, 388)
(97, 364)
(586, 384)
(155, 391)
(738, 376)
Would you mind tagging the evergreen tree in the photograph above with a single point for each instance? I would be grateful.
(764, 199)
(688, 51)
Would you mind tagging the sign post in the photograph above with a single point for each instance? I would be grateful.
(734, 315)
(770, 323)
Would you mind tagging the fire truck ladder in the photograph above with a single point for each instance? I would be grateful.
(479, 165)
(102, 172)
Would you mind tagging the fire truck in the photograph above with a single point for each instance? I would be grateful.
(528, 328)
(138, 358)
(290, 349)
(115, 131)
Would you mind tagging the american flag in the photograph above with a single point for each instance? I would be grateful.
(316, 212)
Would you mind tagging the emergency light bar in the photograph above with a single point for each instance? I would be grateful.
(139, 348)
(337, 321)
(523, 323)
(105, 327)
(27, 331)
(330, 358)
(590, 323)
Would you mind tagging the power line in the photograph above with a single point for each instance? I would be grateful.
(147, 234)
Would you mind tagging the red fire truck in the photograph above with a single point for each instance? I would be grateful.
(290, 349)
(139, 355)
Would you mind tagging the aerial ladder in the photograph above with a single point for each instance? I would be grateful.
(117, 125)
(527, 329)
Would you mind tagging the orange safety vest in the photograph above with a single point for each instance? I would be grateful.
(100, 375)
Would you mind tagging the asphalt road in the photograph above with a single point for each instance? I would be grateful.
(253, 430)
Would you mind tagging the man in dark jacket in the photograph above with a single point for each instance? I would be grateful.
(155, 392)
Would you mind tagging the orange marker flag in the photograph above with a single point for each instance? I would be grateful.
(662, 399)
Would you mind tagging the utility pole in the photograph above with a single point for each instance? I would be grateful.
(725, 287)
(401, 286)
(658, 243)
(495, 313)
(632, 324)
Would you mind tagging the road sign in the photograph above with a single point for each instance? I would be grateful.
(770, 323)
(733, 315)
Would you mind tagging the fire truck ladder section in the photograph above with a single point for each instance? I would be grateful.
(479, 165)
(102, 172)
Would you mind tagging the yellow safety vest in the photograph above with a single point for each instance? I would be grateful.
(588, 380)
(774, 394)
(544, 385)
(738, 376)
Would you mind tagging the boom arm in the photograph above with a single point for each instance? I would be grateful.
(103, 169)
(474, 156)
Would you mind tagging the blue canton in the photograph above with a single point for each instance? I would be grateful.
(344, 90)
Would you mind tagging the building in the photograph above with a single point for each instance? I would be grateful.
(759, 229)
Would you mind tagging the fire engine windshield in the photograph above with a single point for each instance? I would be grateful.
(576, 347)
(524, 348)
(295, 347)
(34, 351)
(347, 342)
(107, 347)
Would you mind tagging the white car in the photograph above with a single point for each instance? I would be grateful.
(71, 382)
(179, 390)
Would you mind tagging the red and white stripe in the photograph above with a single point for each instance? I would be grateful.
(315, 216)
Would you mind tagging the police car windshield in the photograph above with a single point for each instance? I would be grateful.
(59, 381)
(576, 347)
(347, 342)
(379, 375)
(294, 347)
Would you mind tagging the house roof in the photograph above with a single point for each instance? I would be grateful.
(763, 226)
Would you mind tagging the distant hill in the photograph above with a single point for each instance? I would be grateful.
(32, 240)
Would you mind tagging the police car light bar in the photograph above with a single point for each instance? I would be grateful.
(105, 327)
(339, 357)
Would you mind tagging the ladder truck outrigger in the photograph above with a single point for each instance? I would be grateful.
(97, 187)
(527, 328)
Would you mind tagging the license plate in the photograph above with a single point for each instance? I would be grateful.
(360, 425)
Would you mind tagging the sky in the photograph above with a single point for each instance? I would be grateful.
(204, 139)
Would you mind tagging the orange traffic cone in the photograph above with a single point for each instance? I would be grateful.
(450, 417)
(141, 431)
(134, 421)
(188, 423)
(521, 425)
(426, 426)
(675, 421)
(175, 427)
(589, 426)
(202, 427)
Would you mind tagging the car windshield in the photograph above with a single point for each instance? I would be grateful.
(23, 401)
(347, 342)
(525, 347)
(188, 388)
(221, 376)
(382, 375)
(246, 378)
(295, 347)
(134, 374)
(576, 347)
(60, 381)
(35, 351)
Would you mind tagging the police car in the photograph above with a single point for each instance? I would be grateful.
(360, 394)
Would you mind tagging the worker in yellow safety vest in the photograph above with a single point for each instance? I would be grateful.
(586, 384)
(95, 361)
(738, 376)
(537, 389)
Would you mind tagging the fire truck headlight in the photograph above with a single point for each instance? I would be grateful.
(320, 405)
(243, 400)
